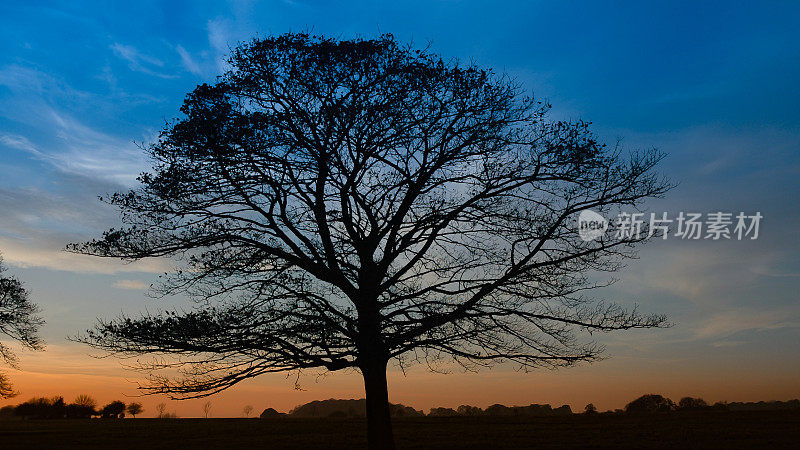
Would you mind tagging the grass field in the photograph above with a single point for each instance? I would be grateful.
(772, 429)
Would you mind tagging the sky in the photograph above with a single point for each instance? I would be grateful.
(712, 84)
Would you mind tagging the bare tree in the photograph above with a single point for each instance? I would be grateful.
(247, 410)
(161, 410)
(134, 408)
(346, 203)
(85, 400)
(19, 320)
(84, 406)
(206, 409)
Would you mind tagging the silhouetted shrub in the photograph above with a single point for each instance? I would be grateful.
(42, 408)
(692, 404)
(270, 412)
(467, 410)
(764, 406)
(532, 410)
(562, 410)
(75, 411)
(350, 407)
(7, 411)
(324, 408)
(498, 410)
(650, 403)
(404, 411)
(54, 408)
(113, 410)
(442, 412)
(590, 409)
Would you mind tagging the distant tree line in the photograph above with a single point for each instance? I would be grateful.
(502, 410)
(650, 403)
(653, 403)
(341, 408)
(84, 407)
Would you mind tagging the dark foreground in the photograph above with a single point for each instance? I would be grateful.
(761, 429)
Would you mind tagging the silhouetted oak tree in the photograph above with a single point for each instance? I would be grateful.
(345, 203)
(19, 320)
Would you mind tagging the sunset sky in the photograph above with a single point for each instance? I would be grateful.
(714, 85)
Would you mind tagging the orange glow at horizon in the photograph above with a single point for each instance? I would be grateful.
(609, 384)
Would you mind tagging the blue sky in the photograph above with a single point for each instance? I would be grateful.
(712, 84)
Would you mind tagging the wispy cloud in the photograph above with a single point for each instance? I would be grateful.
(36, 225)
(188, 62)
(700, 274)
(45, 213)
(20, 143)
(220, 37)
(728, 323)
(83, 150)
(107, 75)
(135, 285)
(32, 81)
(49, 254)
(140, 62)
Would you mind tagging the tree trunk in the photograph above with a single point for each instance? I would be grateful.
(379, 424)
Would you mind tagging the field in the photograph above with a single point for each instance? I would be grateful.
(761, 429)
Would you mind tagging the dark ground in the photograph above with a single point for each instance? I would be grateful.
(745, 429)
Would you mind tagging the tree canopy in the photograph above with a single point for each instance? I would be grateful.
(345, 203)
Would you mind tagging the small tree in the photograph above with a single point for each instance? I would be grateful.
(85, 400)
(341, 204)
(113, 410)
(134, 408)
(19, 321)
(247, 410)
(84, 406)
(590, 409)
(206, 409)
(161, 410)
